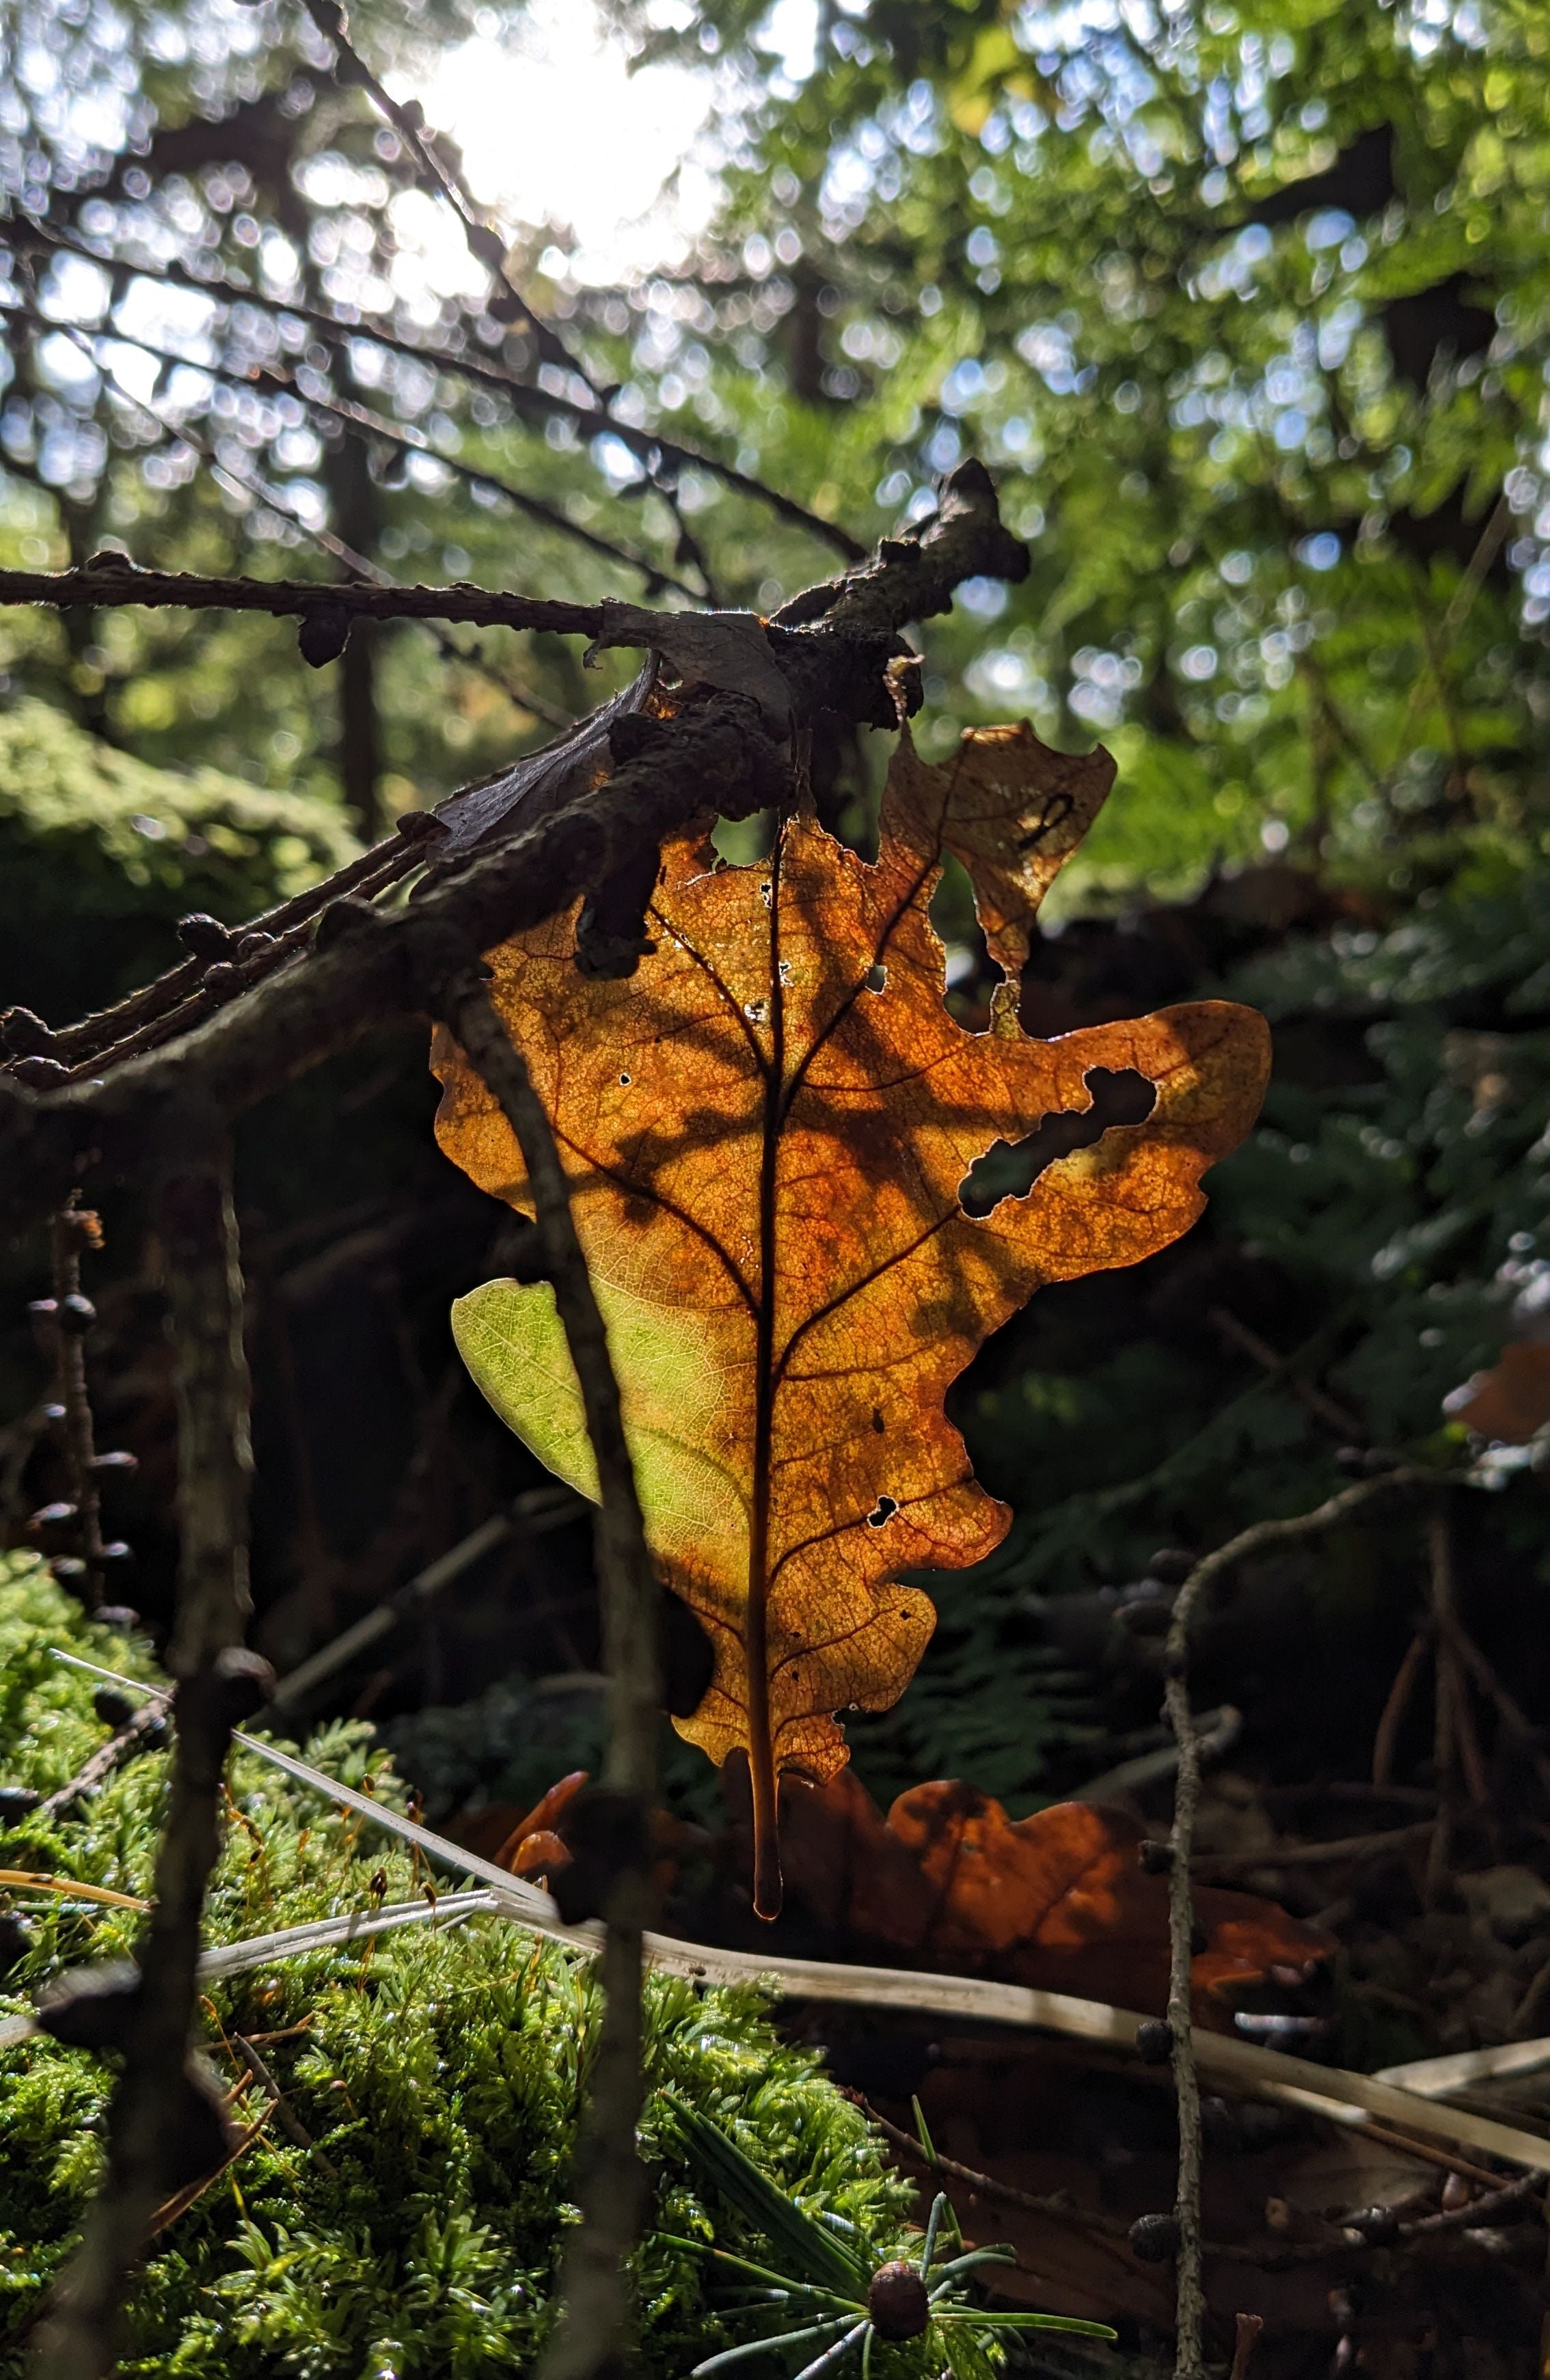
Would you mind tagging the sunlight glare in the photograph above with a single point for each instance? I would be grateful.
(555, 130)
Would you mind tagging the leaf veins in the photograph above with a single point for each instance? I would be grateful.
(765, 1131)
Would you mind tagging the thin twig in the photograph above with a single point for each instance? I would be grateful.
(138, 1733)
(76, 1228)
(1229, 2062)
(105, 585)
(438, 180)
(539, 404)
(1449, 1693)
(360, 421)
(1316, 1401)
(716, 753)
(1189, 2274)
(536, 1511)
(399, 858)
(1501, 2204)
(1392, 1715)
(359, 566)
(158, 2107)
(115, 1028)
(1190, 2352)
(595, 2327)
(1350, 1847)
(286, 2116)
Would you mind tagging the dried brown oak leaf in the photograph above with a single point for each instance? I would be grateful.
(1510, 1403)
(1058, 1901)
(765, 1131)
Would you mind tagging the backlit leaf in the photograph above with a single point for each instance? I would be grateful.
(766, 1130)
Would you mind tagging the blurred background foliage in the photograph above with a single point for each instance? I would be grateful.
(1246, 307)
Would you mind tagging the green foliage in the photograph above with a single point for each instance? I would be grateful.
(440, 2072)
(100, 853)
(1393, 1197)
(1247, 310)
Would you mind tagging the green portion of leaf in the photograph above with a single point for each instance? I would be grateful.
(509, 1335)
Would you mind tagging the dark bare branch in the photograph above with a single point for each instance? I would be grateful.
(364, 969)
(362, 422)
(74, 1230)
(913, 577)
(111, 582)
(648, 446)
(438, 179)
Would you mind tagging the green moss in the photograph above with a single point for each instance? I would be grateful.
(439, 2072)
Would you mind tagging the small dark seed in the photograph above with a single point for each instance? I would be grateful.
(44, 1309)
(203, 935)
(23, 1034)
(17, 1802)
(253, 946)
(899, 2302)
(77, 1313)
(1379, 2225)
(119, 1616)
(1154, 1858)
(1154, 2042)
(220, 978)
(1155, 2239)
(116, 1553)
(69, 1570)
(418, 826)
(115, 1710)
(117, 1459)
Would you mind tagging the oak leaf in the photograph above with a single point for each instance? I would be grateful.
(1058, 1901)
(765, 1131)
(1510, 1403)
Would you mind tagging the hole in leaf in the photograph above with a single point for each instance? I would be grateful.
(1010, 1168)
(883, 1510)
(624, 1082)
(876, 977)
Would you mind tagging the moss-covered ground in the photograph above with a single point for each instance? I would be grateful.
(438, 2071)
